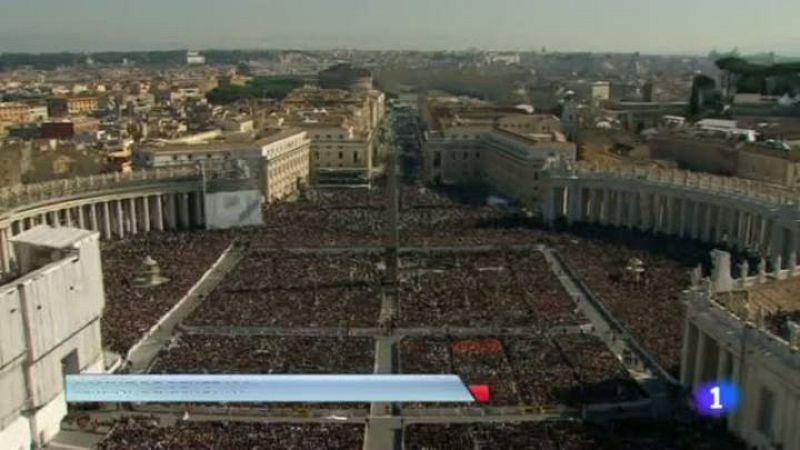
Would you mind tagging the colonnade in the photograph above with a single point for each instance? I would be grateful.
(729, 220)
(115, 216)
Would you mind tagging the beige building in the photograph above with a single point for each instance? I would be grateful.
(11, 159)
(280, 159)
(14, 113)
(342, 127)
(74, 106)
(286, 163)
(341, 155)
(769, 165)
(727, 157)
(503, 148)
(509, 163)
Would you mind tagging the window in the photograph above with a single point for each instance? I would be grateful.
(70, 365)
(355, 157)
(341, 155)
(766, 413)
(437, 159)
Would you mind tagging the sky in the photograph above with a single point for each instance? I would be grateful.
(647, 26)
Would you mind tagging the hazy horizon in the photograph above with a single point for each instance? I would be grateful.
(681, 27)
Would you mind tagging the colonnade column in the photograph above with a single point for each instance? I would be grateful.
(158, 213)
(618, 205)
(172, 213)
(633, 203)
(93, 217)
(684, 212)
(120, 219)
(184, 210)
(700, 357)
(106, 220)
(575, 203)
(591, 208)
(132, 211)
(738, 228)
(5, 248)
(200, 218)
(146, 214)
(707, 223)
(81, 217)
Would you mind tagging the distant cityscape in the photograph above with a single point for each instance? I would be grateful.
(591, 238)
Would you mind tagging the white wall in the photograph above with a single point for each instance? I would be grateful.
(16, 436)
(233, 209)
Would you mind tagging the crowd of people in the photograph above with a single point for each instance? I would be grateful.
(144, 434)
(531, 371)
(286, 290)
(206, 354)
(570, 435)
(648, 304)
(500, 288)
(560, 435)
(131, 309)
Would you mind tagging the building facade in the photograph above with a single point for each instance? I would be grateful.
(507, 162)
(281, 160)
(14, 113)
(287, 166)
(340, 155)
(51, 328)
(727, 337)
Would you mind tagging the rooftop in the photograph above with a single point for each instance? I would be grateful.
(56, 238)
(776, 296)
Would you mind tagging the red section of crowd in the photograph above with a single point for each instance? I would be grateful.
(527, 371)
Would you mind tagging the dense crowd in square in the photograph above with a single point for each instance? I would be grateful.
(143, 434)
(131, 310)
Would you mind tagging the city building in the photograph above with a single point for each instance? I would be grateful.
(343, 128)
(736, 331)
(341, 155)
(638, 116)
(194, 58)
(12, 113)
(68, 129)
(346, 77)
(601, 92)
(73, 106)
(10, 165)
(286, 163)
(771, 162)
(503, 148)
(38, 112)
(51, 328)
(280, 159)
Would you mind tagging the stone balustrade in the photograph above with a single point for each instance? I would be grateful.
(21, 195)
